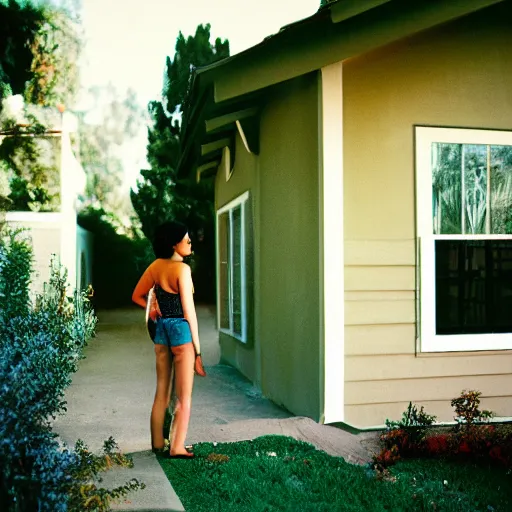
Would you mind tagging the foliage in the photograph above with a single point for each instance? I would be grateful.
(280, 473)
(467, 409)
(56, 50)
(460, 175)
(468, 439)
(413, 422)
(19, 24)
(192, 52)
(85, 493)
(39, 51)
(118, 260)
(41, 343)
(160, 195)
(104, 131)
(30, 161)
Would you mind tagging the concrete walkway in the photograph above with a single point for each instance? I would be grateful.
(112, 394)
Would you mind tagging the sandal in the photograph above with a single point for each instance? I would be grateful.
(167, 455)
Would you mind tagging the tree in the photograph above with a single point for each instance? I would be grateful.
(20, 23)
(117, 119)
(160, 195)
(39, 48)
(55, 52)
(184, 200)
(193, 52)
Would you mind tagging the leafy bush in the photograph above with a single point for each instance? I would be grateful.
(467, 409)
(118, 260)
(40, 346)
(468, 439)
(413, 423)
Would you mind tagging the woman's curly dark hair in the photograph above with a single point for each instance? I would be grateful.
(166, 236)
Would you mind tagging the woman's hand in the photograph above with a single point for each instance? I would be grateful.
(154, 311)
(198, 366)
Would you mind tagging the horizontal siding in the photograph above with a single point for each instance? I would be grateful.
(380, 252)
(382, 372)
(379, 339)
(379, 278)
(376, 414)
(384, 367)
(380, 295)
(379, 312)
(424, 389)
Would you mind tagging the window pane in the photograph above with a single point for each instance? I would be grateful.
(471, 189)
(224, 270)
(237, 269)
(473, 286)
(501, 189)
(475, 188)
(446, 188)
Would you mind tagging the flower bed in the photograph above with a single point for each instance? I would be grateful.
(471, 438)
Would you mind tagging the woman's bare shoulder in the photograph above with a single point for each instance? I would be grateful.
(152, 266)
(183, 268)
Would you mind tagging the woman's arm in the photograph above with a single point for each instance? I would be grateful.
(186, 288)
(146, 282)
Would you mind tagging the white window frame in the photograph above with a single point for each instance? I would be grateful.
(429, 340)
(240, 200)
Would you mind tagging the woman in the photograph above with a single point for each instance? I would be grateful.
(176, 331)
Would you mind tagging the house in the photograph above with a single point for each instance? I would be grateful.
(362, 161)
(56, 233)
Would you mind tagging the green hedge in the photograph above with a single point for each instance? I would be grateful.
(118, 260)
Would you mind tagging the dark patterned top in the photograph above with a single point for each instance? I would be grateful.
(169, 303)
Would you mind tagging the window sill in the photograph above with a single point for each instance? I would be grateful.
(467, 343)
(233, 335)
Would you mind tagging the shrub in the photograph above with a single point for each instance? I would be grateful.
(467, 409)
(412, 436)
(414, 422)
(118, 260)
(40, 346)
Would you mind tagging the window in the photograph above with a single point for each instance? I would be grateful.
(231, 238)
(464, 220)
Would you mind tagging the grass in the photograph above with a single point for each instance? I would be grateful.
(247, 476)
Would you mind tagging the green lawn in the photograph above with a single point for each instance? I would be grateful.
(282, 474)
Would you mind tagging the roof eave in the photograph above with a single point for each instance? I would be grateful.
(338, 31)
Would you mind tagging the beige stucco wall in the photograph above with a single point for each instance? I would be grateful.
(458, 75)
(283, 181)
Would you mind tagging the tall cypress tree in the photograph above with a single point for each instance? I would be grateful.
(160, 196)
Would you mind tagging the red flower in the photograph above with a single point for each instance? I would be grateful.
(437, 444)
(464, 447)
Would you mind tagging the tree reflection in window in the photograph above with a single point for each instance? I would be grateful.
(471, 189)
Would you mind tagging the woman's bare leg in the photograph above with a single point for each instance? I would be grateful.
(184, 358)
(162, 395)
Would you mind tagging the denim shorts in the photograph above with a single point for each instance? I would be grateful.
(172, 332)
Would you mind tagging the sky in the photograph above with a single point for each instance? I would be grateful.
(128, 41)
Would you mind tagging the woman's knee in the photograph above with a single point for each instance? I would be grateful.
(183, 405)
(162, 400)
